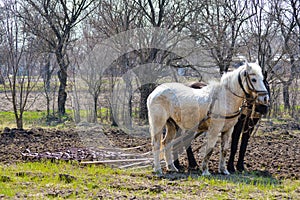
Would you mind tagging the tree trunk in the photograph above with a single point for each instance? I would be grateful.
(1, 80)
(112, 119)
(62, 76)
(48, 107)
(19, 121)
(95, 109)
(223, 68)
(286, 96)
(62, 94)
(145, 92)
(47, 77)
(77, 117)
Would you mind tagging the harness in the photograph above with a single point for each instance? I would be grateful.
(250, 113)
(248, 98)
(231, 116)
(214, 115)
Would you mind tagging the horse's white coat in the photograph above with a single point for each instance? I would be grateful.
(187, 107)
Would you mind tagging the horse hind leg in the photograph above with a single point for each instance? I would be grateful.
(156, 140)
(176, 151)
(192, 163)
(168, 146)
(157, 122)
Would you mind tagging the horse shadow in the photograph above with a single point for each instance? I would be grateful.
(256, 177)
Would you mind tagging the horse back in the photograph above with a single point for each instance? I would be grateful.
(184, 105)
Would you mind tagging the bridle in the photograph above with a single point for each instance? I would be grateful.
(250, 87)
(249, 98)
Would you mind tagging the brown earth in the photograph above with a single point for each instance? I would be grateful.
(274, 151)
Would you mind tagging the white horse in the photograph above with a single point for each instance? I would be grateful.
(188, 108)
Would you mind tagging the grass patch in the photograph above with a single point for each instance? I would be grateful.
(30, 119)
(7, 118)
(70, 180)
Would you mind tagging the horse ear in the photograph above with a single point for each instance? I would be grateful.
(256, 62)
(248, 68)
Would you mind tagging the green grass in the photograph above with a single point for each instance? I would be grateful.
(7, 118)
(47, 180)
(30, 118)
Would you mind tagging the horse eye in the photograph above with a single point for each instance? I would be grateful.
(253, 80)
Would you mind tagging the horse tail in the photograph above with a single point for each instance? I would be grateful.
(162, 146)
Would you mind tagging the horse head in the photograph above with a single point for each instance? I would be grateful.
(252, 82)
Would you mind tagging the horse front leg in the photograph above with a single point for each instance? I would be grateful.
(238, 128)
(225, 141)
(192, 164)
(212, 138)
(244, 143)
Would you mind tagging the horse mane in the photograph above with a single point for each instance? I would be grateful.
(227, 77)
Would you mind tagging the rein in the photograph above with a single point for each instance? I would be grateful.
(248, 96)
(252, 88)
(242, 86)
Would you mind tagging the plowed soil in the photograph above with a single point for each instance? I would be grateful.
(273, 151)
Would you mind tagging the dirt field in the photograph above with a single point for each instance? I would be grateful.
(274, 151)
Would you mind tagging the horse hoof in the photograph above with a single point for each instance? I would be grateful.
(231, 168)
(193, 166)
(177, 164)
(172, 168)
(206, 173)
(240, 168)
(158, 172)
(191, 169)
(180, 168)
(224, 172)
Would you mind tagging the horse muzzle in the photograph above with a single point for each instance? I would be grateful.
(263, 98)
(261, 108)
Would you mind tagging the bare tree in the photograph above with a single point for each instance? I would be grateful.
(117, 16)
(47, 71)
(287, 16)
(171, 15)
(109, 19)
(259, 35)
(89, 73)
(217, 25)
(58, 20)
(18, 61)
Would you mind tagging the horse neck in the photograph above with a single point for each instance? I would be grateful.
(234, 94)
